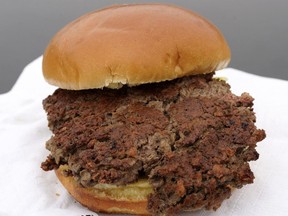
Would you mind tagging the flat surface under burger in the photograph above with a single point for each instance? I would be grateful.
(191, 137)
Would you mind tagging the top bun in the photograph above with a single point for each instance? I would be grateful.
(133, 44)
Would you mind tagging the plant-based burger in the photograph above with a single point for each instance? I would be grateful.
(139, 123)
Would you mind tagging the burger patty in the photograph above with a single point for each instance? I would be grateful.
(191, 137)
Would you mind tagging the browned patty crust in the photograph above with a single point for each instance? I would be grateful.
(191, 137)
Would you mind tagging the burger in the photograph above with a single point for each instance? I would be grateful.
(140, 124)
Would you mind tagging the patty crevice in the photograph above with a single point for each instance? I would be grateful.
(191, 137)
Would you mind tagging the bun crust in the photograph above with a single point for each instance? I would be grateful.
(99, 201)
(133, 44)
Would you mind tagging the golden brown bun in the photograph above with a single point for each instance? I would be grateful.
(109, 200)
(133, 44)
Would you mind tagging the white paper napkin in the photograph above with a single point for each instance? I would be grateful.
(27, 190)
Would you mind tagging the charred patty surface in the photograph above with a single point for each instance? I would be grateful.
(191, 137)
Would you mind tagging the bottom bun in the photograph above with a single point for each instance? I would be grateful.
(129, 199)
